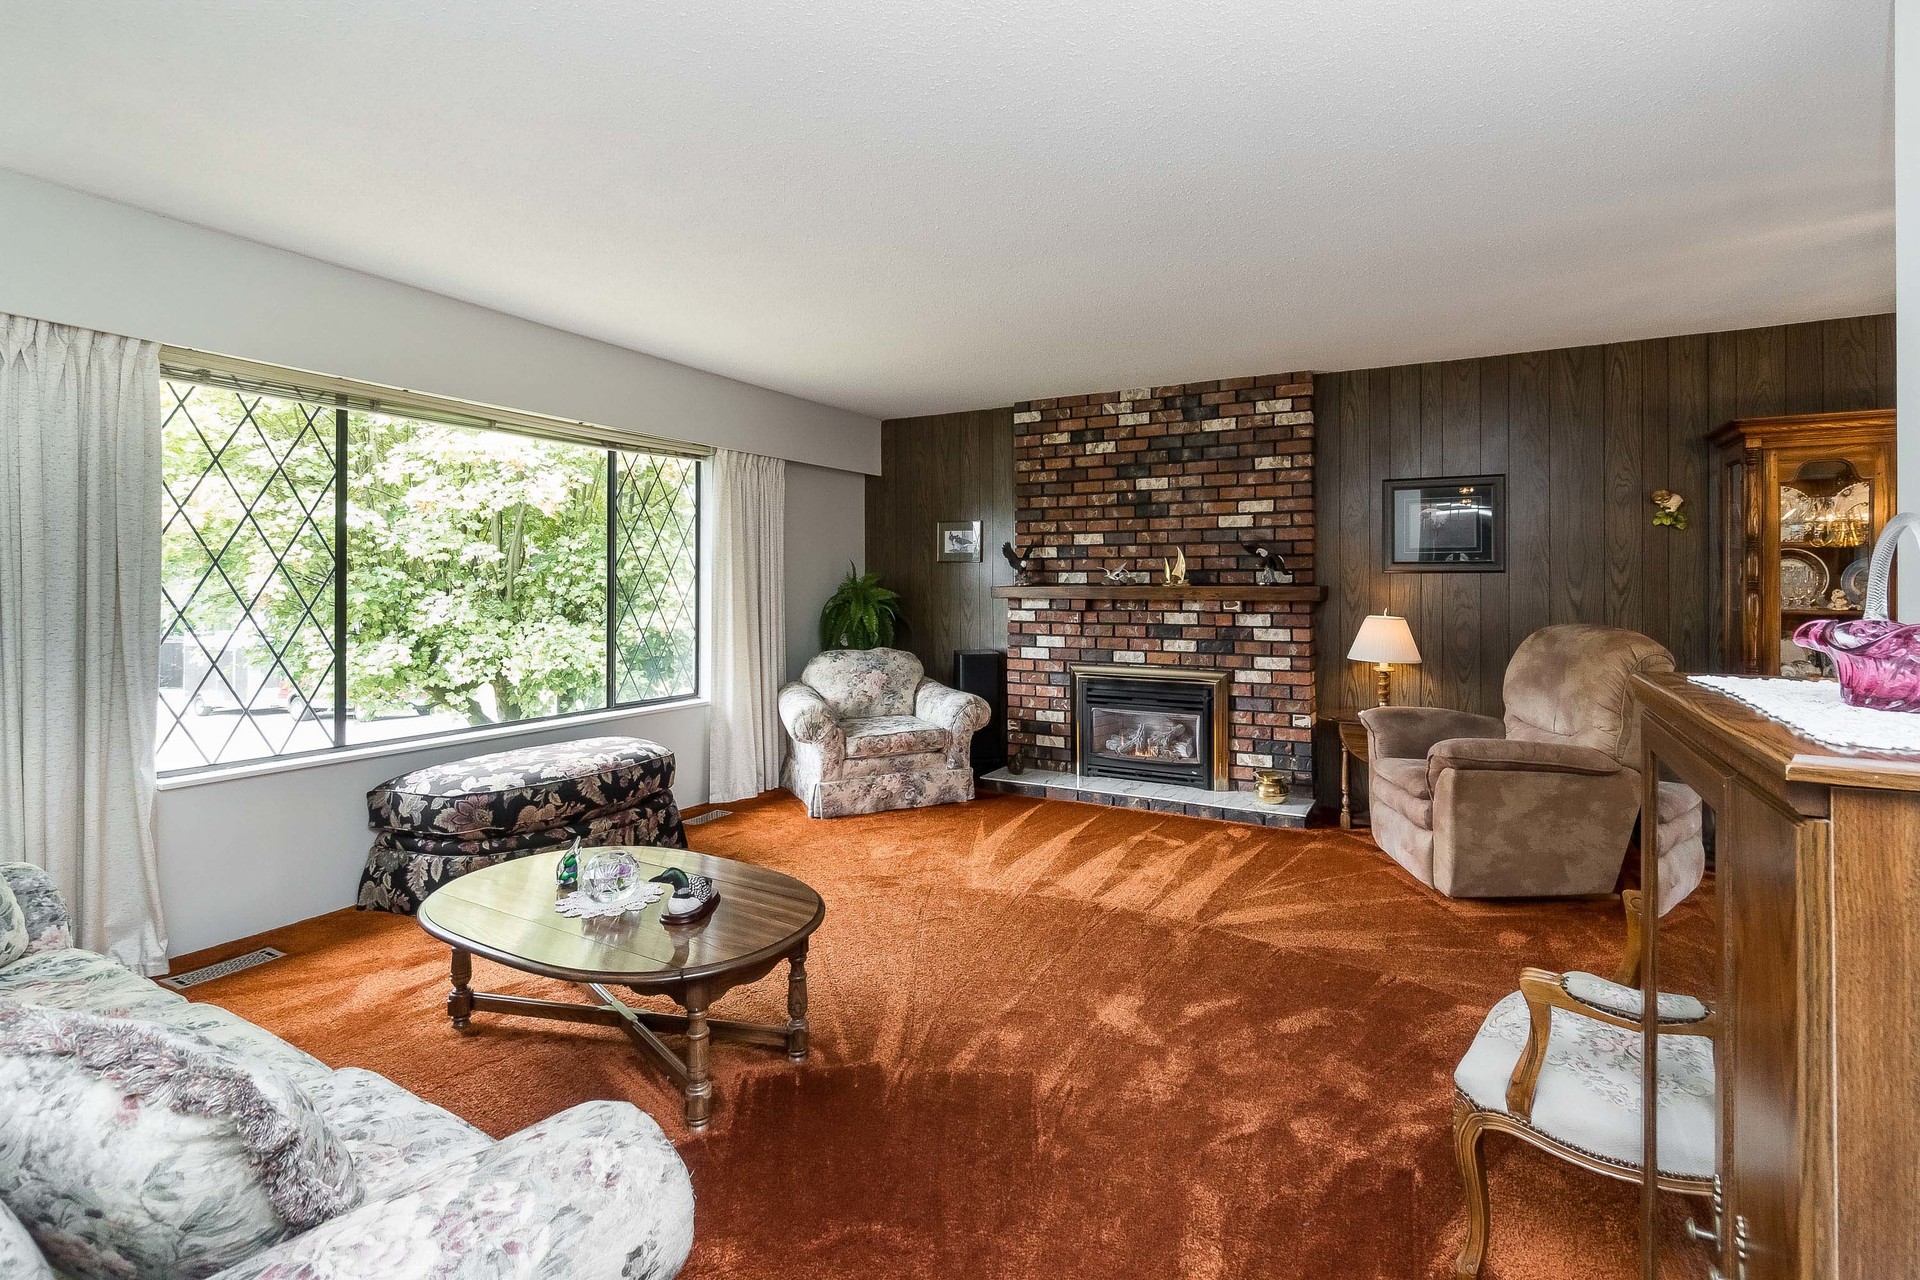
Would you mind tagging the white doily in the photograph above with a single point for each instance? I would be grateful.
(1813, 708)
(581, 907)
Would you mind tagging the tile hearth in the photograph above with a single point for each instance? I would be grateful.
(1160, 797)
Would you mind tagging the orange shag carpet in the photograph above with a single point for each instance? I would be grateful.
(1049, 1040)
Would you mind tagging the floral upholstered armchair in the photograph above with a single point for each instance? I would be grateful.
(871, 733)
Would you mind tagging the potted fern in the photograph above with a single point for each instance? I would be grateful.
(860, 614)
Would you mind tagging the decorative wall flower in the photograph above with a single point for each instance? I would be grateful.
(1667, 504)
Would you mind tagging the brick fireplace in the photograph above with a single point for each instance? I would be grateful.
(1122, 480)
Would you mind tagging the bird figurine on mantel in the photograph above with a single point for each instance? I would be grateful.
(1273, 571)
(1022, 562)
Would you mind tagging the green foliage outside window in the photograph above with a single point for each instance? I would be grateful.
(476, 572)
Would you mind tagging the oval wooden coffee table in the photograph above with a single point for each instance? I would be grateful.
(505, 914)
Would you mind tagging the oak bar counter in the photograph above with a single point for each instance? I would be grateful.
(1817, 889)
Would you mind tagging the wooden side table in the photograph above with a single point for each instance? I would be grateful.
(1353, 746)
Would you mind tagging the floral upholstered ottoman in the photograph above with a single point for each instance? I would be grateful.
(437, 824)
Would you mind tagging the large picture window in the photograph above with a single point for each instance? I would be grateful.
(337, 576)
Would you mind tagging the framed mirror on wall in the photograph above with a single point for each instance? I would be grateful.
(1447, 524)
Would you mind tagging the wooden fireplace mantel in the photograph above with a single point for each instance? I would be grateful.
(1246, 592)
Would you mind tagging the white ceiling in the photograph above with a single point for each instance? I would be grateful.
(906, 208)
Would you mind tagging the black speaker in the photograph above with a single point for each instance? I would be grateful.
(984, 672)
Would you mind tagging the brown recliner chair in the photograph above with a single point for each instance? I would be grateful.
(1541, 804)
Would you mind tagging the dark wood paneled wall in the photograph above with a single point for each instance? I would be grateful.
(950, 466)
(1583, 435)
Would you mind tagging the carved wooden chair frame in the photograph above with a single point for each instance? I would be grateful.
(1545, 991)
(1628, 974)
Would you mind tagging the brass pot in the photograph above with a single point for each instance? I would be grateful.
(1270, 786)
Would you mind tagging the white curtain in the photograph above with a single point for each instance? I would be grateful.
(80, 625)
(749, 624)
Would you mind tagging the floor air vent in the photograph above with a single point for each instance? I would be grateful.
(708, 816)
(181, 981)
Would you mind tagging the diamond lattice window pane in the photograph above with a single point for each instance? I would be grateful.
(656, 577)
(475, 577)
(247, 655)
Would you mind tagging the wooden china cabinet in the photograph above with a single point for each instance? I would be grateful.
(1816, 924)
(1798, 503)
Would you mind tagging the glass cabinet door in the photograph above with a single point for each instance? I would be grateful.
(1825, 535)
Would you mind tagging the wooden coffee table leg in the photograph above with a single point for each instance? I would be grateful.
(699, 1078)
(460, 998)
(797, 1035)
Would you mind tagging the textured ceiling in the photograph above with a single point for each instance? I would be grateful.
(911, 208)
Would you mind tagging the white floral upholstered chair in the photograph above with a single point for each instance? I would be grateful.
(1558, 1064)
(870, 733)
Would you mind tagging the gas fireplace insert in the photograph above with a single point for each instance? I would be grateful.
(1151, 726)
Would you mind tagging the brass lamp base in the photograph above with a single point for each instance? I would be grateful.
(1383, 684)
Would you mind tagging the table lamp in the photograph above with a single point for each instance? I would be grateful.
(1383, 640)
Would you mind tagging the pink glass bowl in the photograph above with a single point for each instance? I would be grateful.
(1878, 661)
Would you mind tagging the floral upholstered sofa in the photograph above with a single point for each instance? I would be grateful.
(870, 733)
(144, 1137)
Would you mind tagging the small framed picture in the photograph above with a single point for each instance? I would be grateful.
(959, 540)
(1450, 524)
